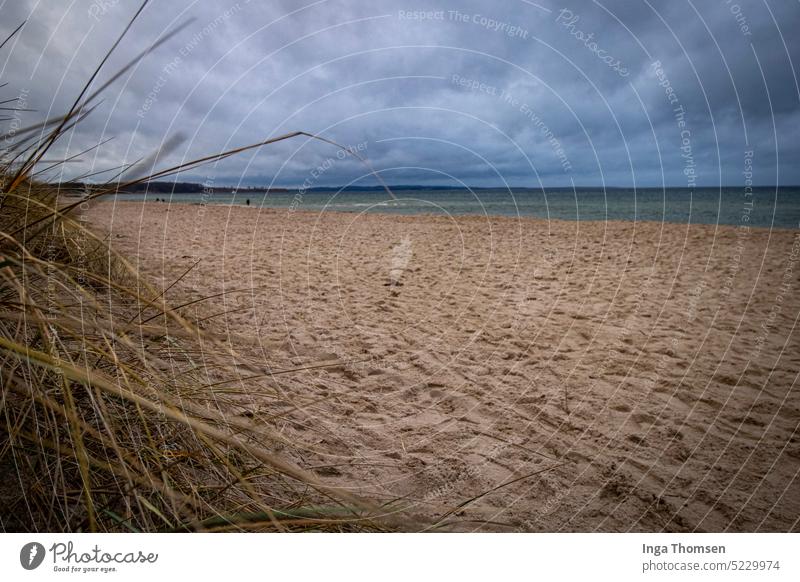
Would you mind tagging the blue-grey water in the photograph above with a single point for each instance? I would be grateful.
(765, 207)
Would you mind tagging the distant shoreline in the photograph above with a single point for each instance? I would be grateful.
(738, 206)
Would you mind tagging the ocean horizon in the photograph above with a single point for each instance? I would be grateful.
(762, 207)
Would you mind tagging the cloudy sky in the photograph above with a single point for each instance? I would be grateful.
(481, 93)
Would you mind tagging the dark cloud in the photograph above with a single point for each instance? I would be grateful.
(438, 92)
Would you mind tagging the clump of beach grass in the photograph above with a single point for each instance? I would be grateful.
(102, 426)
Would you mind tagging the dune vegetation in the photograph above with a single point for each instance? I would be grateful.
(104, 421)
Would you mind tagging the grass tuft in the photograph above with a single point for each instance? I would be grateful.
(97, 431)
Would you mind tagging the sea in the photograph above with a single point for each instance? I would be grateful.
(764, 207)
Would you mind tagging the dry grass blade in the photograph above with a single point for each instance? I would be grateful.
(70, 158)
(73, 373)
(463, 504)
(99, 430)
(9, 37)
(59, 119)
(193, 165)
(45, 145)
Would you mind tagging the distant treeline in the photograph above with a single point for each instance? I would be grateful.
(168, 188)
(191, 188)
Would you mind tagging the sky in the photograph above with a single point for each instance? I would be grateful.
(483, 93)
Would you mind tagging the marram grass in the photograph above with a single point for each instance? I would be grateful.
(97, 431)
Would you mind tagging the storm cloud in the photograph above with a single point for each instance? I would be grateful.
(478, 93)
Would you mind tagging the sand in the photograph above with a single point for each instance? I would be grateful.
(601, 376)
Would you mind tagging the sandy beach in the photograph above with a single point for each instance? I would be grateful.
(577, 376)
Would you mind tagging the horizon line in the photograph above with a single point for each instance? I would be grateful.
(499, 187)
